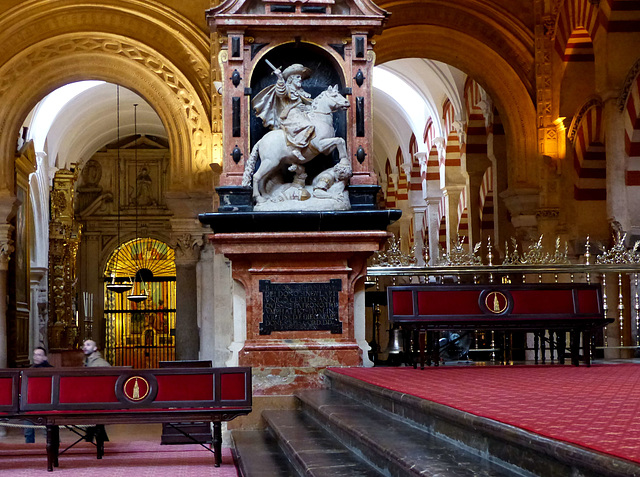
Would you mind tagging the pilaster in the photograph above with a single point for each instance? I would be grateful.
(215, 300)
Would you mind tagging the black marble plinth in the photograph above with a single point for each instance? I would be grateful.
(300, 221)
(235, 199)
(363, 197)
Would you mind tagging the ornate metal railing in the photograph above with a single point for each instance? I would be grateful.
(616, 269)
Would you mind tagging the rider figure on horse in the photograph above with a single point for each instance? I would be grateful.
(285, 105)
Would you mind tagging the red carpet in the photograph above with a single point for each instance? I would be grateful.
(138, 459)
(596, 407)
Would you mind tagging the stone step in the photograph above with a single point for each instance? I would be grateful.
(392, 445)
(507, 445)
(312, 450)
(258, 455)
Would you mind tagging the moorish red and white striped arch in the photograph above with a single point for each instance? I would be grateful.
(587, 16)
(589, 157)
(476, 143)
(415, 181)
(632, 133)
(402, 192)
(390, 199)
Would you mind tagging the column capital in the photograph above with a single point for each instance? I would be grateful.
(461, 130)
(6, 245)
(441, 145)
(453, 190)
(187, 247)
(486, 105)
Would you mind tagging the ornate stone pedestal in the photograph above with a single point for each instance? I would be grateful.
(300, 290)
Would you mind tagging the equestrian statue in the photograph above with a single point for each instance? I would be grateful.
(301, 128)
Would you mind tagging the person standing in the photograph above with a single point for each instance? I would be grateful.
(40, 360)
(93, 359)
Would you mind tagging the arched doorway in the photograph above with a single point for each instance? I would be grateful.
(141, 334)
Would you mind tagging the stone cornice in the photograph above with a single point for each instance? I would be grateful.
(240, 15)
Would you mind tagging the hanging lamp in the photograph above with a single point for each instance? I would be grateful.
(118, 287)
(138, 243)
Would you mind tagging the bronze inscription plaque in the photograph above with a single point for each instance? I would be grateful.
(300, 306)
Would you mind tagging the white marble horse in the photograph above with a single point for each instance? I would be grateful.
(274, 152)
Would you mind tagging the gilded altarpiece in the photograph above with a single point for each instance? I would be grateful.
(64, 238)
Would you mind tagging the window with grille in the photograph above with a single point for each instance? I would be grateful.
(140, 334)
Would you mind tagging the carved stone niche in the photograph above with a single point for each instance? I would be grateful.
(333, 38)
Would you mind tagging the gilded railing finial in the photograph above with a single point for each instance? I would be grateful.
(393, 256)
(459, 256)
(587, 253)
(619, 254)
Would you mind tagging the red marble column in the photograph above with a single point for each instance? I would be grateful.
(287, 360)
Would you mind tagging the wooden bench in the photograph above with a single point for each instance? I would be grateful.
(93, 396)
(424, 309)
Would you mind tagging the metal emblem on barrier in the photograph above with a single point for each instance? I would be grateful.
(495, 302)
(136, 388)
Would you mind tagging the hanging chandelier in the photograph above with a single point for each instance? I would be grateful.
(141, 294)
(113, 285)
